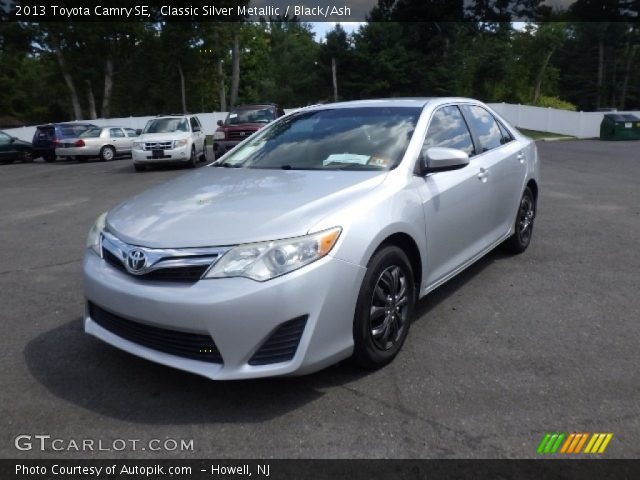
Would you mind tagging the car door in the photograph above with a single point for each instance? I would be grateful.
(505, 167)
(6, 147)
(198, 135)
(456, 203)
(119, 140)
(127, 140)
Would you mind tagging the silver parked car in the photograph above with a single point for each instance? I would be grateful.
(105, 143)
(312, 240)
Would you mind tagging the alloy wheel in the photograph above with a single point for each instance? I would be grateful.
(389, 307)
(526, 215)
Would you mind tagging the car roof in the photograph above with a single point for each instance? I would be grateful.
(419, 102)
(65, 124)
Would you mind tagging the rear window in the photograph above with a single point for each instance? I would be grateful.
(44, 133)
(91, 133)
(70, 131)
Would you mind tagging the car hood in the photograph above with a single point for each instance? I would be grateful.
(227, 206)
(156, 137)
(244, 126)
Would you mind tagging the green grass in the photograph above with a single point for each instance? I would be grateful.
(536, 135)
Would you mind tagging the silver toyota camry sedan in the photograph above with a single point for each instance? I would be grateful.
(312, 240)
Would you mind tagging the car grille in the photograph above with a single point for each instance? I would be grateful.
(282, 345)
(239, 134)
(181, 344)
(187, 274)
(158, 145)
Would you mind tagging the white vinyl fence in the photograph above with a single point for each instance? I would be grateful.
(564, 122)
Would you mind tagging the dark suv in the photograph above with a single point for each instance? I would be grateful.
(242, 122)
(48, 137)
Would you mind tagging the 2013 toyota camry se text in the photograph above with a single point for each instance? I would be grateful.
(312, 240)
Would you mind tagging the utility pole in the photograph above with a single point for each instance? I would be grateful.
(335, 79)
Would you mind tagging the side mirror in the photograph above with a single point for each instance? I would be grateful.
(220, 123)
(138, 131)
(196, 129)
(13, 139)
(440, 159)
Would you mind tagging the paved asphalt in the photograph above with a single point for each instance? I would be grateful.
(510, 349)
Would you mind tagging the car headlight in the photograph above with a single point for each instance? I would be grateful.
(95, 234)
(138, 145)
(180, 143)
(266, 260)
(218, 135)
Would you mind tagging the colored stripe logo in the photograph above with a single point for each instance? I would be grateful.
(574, 443)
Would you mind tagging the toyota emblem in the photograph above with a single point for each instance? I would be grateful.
(136, 260)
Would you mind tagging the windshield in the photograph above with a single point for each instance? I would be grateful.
(250, 115)
(91, 133)
(368, 138)
(166, 125)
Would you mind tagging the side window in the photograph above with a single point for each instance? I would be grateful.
(194, 124)
(506, 135)
(131, 132)
(116, 133)
(485, 127)
(448, 129)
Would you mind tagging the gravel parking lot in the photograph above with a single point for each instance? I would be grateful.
(511, 349)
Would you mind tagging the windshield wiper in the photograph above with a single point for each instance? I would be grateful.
(294, 167)
(226, 165)
(358, 166)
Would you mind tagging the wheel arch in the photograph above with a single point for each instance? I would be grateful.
(408, 245)
(533, 186)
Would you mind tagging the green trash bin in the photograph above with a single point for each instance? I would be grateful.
(620, 126)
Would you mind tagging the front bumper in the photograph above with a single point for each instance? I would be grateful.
(181, 154)
(238, 313)
(220, 147)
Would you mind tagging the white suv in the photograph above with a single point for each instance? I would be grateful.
(170, 139)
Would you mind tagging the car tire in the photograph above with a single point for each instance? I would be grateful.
(107, 153)
(27, 156)
(139, 168)
(203, 156)
(384, 308)
(193, 159)
(521, 238)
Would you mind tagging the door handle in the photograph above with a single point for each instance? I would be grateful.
(521, 157)
(483, 174)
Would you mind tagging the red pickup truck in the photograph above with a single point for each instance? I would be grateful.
(242, 122)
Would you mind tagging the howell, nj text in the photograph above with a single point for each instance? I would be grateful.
(244, 470)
